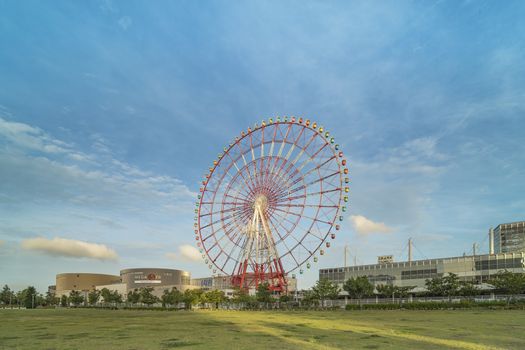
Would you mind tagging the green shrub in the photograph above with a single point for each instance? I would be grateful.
(438, 305)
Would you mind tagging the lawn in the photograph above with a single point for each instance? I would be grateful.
(122, 329)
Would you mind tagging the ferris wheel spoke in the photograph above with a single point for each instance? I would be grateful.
(312, 157)
(303, 149)
(306, 206)
(288, 250)
(320, 179)
(305, 216)
(288, 233)
(297, 224)
(239, 171)
(310, 194)
(219, 212)
(290, 151)
(242, 200)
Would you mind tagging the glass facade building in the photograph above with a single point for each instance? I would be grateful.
(476, 268)
(509, 238)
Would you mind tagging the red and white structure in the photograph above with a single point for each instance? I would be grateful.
(271, 202)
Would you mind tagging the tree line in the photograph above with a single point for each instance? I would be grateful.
(171, 298)
(449, 285)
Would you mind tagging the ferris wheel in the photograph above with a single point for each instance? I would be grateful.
(271, 202)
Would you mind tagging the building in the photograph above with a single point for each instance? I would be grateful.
(224, 283)
(153, 277)
(115, 287)
(83, 282)
(156, 278)
(476, 268)
(508, 238)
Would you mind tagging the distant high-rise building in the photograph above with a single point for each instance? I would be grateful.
(509, 238)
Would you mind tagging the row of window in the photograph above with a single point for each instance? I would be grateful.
(500, 264)
(418, 274)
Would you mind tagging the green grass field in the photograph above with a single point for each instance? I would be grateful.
(108, 329)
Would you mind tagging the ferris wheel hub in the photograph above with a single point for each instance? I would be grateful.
(261, 202)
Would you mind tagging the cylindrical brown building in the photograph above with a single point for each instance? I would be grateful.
(66, 282)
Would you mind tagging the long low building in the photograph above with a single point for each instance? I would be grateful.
(475, 268)
(224, 283)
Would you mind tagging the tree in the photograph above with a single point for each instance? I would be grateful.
(192, 297)
(435, 286)
(133, 296)
(215, 297)
(147, 297)
(116, 297)
(76, 298)
(28, 297)
(451, 285)
(386, 290)
(171, 297)
(240, 295)
(106, 295)
(468, 289)
(310, 298)
(358, 287)
(19, 297)
(263, 293)
(93, 297)
(6, 296)
(284, 298)
(63, 301)
(508, 283)
(403, 292)
(443, 286)
(50, 299)
(324, 289)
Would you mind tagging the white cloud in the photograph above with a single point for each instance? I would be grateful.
(186, 252)
(31, 138)
(69, 248)
(55, 170)
(365, 226)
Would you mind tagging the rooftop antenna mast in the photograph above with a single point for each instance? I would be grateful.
(346, 254)
(410, 249)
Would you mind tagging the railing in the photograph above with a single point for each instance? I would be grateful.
(456, 299)
(338, 303)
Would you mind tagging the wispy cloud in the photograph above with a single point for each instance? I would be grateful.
(69, 248)
(39, 165)
(364, 226)
(29, 137)
(185, 252)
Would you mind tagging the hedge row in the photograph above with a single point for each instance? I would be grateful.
(437, 305)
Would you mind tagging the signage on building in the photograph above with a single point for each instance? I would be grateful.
(385, 259)
(150, 279)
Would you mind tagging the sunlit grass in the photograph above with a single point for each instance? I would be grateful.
(107, 329)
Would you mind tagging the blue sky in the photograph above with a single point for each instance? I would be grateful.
(111, 112)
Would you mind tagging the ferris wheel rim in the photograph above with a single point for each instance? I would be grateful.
(289, 232)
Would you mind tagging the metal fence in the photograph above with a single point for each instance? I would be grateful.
(454, 299)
